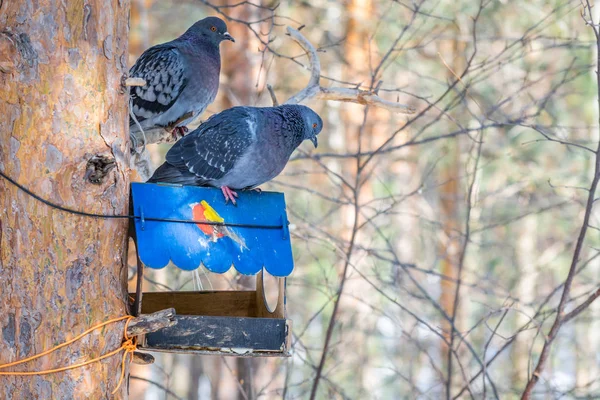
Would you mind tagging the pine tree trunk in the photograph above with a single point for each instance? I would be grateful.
(357, 48)
(61, 103)
(450, 192)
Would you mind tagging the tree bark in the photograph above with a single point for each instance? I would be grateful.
(61, 102)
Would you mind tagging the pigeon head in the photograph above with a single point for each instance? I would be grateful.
(211, 29)
(312, 124)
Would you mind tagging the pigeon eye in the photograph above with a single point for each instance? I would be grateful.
(213, 28)
(315, 125)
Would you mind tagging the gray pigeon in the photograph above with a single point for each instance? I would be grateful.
(239, 148)
(182, 77)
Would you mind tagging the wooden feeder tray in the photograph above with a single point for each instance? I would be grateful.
(237, 323)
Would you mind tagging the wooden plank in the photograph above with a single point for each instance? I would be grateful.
(216, 303)
(137, 305)
(225, 352)
(263, 309)
(222, 334)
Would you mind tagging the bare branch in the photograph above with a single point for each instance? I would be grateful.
(352, 95)
(583, 306)
(158, 385)
(157, 134)
(142, 358)
(272, 93)
(134, 81)
(151, 322)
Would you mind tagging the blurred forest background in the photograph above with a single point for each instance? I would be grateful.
(431, 250)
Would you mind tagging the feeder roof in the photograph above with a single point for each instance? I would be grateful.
(252, 235)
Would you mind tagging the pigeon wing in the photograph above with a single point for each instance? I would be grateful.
(212, 150)
(163, 69)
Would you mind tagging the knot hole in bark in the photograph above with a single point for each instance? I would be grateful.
(15, 49)
(97, 168)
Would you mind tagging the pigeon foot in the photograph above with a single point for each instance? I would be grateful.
(179, 132)
(229, 195)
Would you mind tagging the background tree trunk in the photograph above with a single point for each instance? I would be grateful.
(451, 199)
(61, 104)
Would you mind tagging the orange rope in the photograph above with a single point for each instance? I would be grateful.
(129, 345)
(68, 342)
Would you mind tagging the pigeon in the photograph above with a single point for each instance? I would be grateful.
(239, 148)
(182, 78)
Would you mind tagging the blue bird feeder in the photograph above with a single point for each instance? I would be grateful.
(188, 226)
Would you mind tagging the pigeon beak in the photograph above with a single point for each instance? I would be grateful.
(314, 141)
(227, 36)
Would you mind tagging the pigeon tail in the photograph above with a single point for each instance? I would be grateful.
(169, 174)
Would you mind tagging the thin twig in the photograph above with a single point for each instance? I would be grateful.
(273, 96)
(158, 385)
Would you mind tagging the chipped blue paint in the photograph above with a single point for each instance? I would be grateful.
(186, 245)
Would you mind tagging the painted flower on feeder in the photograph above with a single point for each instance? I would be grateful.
(204, 212)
